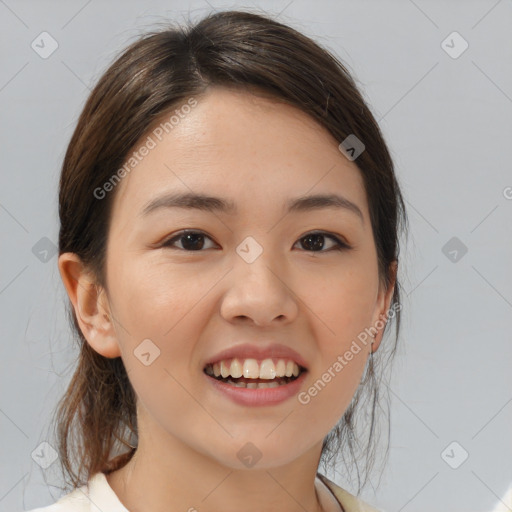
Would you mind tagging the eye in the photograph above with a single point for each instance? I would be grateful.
(313, 241)
(194, 241)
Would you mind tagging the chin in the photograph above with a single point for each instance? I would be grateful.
(256, 454)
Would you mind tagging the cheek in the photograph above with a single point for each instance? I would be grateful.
(345, 303)
(159, 318)
(329, 391)
(153, 299)
(161, 395)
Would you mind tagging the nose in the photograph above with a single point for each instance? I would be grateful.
(259, 292)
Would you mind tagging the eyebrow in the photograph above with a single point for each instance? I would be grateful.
(217, 204)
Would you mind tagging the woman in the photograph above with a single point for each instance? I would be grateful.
(229, 244)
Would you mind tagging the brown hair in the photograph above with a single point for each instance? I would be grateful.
(96, 418)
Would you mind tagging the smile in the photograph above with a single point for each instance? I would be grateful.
(253, 374)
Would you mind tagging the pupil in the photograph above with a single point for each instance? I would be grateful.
(316, 237)
(191, 236)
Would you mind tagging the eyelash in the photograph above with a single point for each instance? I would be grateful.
(340, 245)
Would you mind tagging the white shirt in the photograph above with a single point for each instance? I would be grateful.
(98, 496)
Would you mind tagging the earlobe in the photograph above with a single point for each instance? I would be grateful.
(384, 305)
(91, 305)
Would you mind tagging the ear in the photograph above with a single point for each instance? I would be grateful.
(383, 304)
(91, 305)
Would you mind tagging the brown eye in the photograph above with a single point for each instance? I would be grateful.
(314, 242)
(190, 241)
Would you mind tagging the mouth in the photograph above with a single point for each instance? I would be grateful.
(255, 374)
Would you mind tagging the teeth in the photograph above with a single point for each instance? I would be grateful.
(281, 368)
(224, 370)
(251, 369)
(254, 385)
(235, 368)
(267, 369)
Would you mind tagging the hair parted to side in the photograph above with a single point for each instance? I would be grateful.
(96, 417)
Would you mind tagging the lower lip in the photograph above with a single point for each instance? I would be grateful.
(258, 397)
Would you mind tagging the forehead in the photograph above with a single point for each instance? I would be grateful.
(255, 150)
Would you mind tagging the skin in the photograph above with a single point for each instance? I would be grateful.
(193, 304)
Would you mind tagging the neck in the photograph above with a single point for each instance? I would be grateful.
(167, 475)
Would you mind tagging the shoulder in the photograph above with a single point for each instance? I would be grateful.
(75, 501)
(350, 502)
(95, 496)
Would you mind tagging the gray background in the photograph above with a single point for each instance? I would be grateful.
(448, 122)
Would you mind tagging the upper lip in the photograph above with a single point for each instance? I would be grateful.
(250, 351)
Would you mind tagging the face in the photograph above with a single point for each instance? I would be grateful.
(257, 275)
